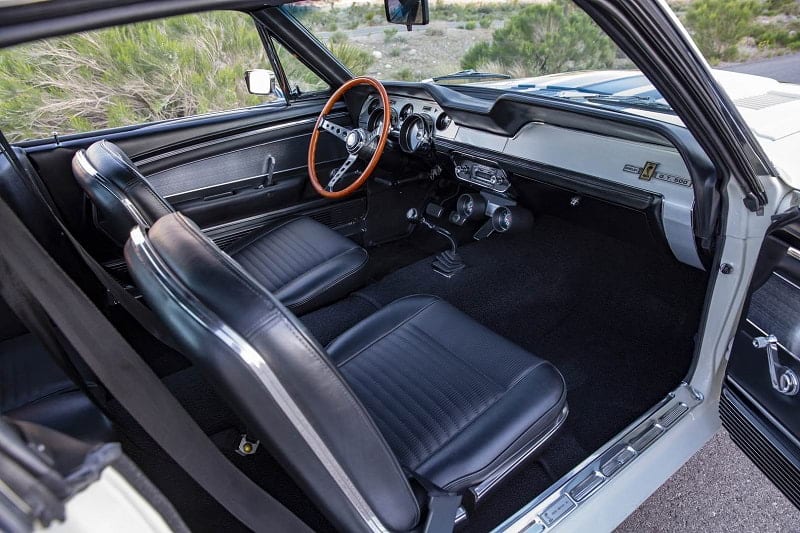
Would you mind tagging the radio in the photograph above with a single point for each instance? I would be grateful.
(485, 174)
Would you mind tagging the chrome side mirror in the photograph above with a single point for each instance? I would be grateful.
(260, 81)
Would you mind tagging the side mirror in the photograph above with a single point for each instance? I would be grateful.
(407, 12)
(260, 81)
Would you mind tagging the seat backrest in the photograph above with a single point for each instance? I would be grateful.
(274, 374)
(120, 193)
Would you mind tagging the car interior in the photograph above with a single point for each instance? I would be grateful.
(446, 288)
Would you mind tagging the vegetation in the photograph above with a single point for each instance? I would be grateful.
(195, 64)
(719, 25)
(543, 39)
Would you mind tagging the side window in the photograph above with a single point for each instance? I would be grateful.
(301, 79)
(125, 75)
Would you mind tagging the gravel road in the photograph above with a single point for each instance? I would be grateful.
(717, 490)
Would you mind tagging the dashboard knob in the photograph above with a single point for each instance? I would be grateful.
(471, 206)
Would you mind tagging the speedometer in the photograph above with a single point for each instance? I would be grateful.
(416, 134)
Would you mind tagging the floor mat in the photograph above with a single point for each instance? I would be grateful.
(617, 320)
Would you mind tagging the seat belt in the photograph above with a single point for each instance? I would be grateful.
(24, 264)
(134, 307)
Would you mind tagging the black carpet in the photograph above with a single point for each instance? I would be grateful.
(617, 321)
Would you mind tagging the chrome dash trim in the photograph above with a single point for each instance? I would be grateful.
(256, 364)
(793, 253)
(228, 138)
(545, 511)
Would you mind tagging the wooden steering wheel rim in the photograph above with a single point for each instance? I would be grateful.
(382, 138)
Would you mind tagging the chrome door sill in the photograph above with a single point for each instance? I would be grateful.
(578, 485)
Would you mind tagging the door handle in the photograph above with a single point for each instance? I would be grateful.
(269, 169)
(784, 379)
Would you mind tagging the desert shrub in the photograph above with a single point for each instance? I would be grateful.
(405, 74)
(486, 22)
(470, 25)
(389, 34)
(543, 39)
(353, 57)
(717, 26)
(124, 75)
(338, 37)
(434, 32)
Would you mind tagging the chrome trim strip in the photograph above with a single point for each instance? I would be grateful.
(774, 421)
(488, 484)
(793, 253)
(242, 135)
(83, 162)
(636, 439)
(790, 282)
(259, 368)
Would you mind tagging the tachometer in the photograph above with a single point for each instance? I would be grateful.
(406, 112)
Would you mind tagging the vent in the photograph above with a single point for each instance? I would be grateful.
(763, 101)
(744, 433)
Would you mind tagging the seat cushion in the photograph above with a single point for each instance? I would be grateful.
(34, 389)
(454, 400)
(303, 263)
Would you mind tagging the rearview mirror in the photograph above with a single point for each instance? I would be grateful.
(260, 81)
(407, 12)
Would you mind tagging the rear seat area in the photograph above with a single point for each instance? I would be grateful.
(33, 388)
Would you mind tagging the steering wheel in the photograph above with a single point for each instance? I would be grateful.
(367, 145)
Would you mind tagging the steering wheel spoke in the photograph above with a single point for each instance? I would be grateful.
(341, 171)
(358, 142)
(340, 132)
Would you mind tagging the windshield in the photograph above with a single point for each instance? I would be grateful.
(549, 48)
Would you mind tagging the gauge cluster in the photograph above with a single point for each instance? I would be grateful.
(415, 122)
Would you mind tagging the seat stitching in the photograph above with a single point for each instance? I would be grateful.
(394, 373)
(350, 397)
(495, 402)
(406, 320)
(422, 333)
(399, 437)
(336, 281)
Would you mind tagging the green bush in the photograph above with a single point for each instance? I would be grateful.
(470, 25)
(486, 22)
(389, 34)
(717, 26)
(353, 57)
(543, 39)
(338, 37)
(405, 74)
(124, 75)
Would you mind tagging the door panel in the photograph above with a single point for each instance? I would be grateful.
(213, 169)
(760, 403)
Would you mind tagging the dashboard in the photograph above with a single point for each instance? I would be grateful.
(598, 156)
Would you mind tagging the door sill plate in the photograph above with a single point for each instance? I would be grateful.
(578, 485)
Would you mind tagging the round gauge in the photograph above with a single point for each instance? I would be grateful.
(415, 134)
(376, 119)
(443, 121)
(406, 112)
(373, 105)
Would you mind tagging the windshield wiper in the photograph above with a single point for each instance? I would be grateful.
(472, 74)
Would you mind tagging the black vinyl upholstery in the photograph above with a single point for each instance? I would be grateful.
(34, 389)
(454, 399)
(302, 262)
(418, 385)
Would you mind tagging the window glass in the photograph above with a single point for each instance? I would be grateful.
(124, 75)
(301, 79)
(513, 39)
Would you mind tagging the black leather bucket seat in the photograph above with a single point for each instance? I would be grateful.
(418, 390)
(302, 262)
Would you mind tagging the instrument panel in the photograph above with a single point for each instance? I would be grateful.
(415, 122)
(477, 155)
